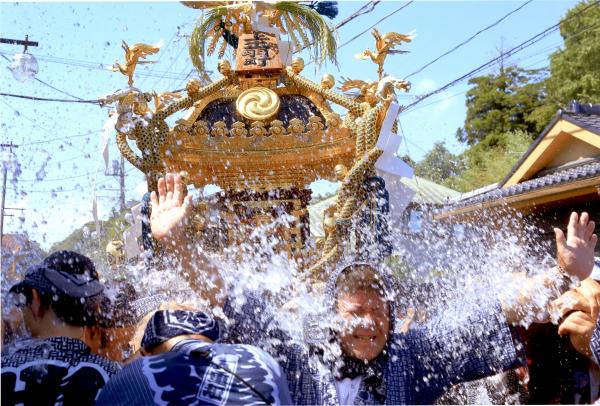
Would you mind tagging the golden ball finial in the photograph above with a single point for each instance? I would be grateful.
(327, 81)
(340, 172)
(297, 65)
(224, 67)
(193, 86)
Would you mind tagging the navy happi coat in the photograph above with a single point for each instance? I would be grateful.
(417, 367)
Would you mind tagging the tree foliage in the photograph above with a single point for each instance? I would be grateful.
(508, 109)
(487, 162)
(502, 102)
(490, 160)
(575, 68)
(438, 164)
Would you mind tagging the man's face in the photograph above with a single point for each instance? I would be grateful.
(367, 323)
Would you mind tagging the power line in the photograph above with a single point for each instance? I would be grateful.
(46, 84)
(37, 125)
(595, 26)
(55, 179)
(378, 21)
(364, 9)
(62, 138)
(58, 190)
(22, 96)
(183, 48)
(58, 90)
(367, 8)
(468, 39)
(163, 51)
(98, 66)
(525, 44)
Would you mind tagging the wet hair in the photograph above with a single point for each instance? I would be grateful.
(359, 277)
(73, 308)
(72, 311)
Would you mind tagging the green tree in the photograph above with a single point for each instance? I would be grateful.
(490, 160)
(575, 68)
(502, 102)
(408, 160)
(438, 164)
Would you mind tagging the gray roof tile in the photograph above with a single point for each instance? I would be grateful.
(590, 122)
(583, 171)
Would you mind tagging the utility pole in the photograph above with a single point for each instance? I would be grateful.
(3, 197)
(26, 43)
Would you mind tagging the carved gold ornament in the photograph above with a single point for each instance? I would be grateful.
(297, 65)
(257, 103)
(315, 124)
(296, 127)
(276, 128)
(219, 129)
(257, 129)
(133, 54)
(334, 120)
(224, 67)
(327, 81)
(340, 171)
(192, 87)
(238, 129)
(200, 128)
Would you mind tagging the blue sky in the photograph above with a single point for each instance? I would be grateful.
(59, 153)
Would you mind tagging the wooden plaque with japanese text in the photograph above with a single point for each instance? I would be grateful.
(258, 53)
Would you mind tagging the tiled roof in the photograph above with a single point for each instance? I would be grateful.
(590, 122)
(587, 169)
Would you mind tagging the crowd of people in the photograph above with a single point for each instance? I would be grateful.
(85, 347)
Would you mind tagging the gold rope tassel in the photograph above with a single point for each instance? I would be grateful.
(347, 206)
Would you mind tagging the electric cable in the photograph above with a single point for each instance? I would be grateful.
(103, 181)
(595, 26)
(53, 179)
(61, 138)
(22, 96)
(468, 39)
(367, 8)
(525, 44)
(35, 123)
(46, 84)
(364, 9)
(378, 21)
(96, 66)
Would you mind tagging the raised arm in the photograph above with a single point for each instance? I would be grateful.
(575, 259)
(171, 210)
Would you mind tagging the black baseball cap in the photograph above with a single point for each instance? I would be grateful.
(66, 274)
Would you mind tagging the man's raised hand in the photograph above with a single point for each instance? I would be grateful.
(575, 253)
(170, 208)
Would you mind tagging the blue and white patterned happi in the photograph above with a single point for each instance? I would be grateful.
(200, 373)
(595, 342)
(57, 370)
(419, 367)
